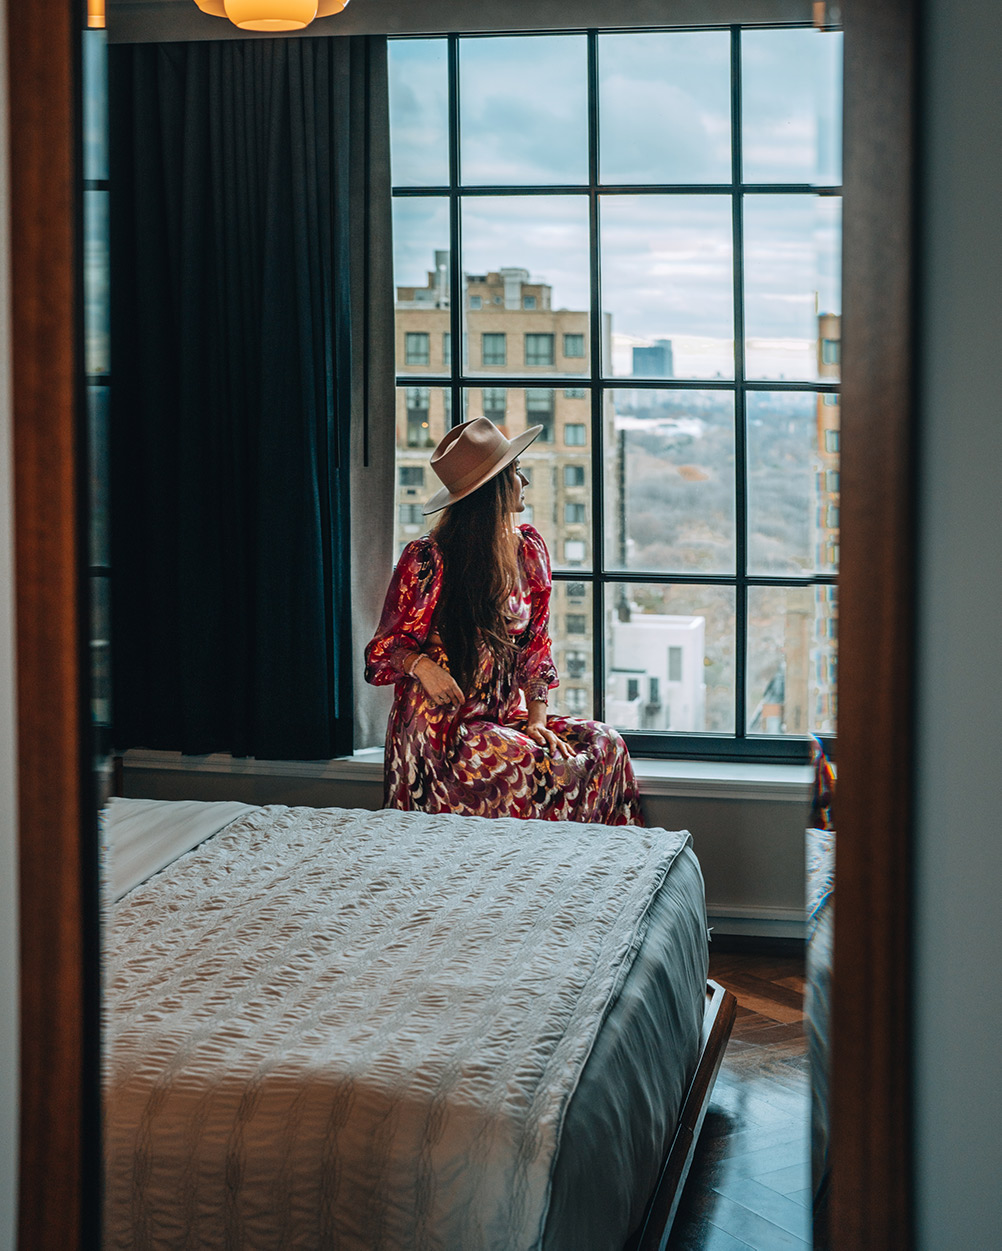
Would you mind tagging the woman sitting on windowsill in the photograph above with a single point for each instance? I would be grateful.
(463, 635)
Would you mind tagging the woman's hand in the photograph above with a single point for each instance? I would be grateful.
(540, 732)
(440, 686)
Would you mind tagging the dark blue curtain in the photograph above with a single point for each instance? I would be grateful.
(239, 181)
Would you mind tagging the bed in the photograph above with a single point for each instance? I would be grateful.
(338, 1028)
(820, 863)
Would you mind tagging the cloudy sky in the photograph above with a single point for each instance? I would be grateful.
(664, 117)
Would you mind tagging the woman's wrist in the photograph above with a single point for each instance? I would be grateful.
(537, 711)
(412, 661)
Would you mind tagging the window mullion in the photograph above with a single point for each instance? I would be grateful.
(740, 456)
(597, 391)
(458, 342)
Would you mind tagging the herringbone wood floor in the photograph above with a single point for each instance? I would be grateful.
(749, 1186)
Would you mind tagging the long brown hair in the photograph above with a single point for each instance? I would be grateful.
(479, 572)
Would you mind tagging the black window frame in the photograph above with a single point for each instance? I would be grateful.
(603, 576)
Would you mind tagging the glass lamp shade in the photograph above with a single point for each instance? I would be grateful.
(270, 15)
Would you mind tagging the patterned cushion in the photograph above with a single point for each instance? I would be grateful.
(820, 873)
(820, 838)
(824, 788)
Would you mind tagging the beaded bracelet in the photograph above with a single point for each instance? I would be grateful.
(413, 660)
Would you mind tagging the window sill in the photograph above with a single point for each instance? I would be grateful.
(689, 779)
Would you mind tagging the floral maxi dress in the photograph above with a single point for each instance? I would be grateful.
(477, 759)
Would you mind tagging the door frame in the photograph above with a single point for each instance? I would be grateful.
(871, 1120)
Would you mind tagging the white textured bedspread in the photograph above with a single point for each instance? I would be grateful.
(348, 1029)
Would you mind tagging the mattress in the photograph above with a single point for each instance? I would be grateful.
(817, 1008)
(623, 1071)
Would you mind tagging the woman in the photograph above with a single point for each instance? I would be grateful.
(463, 635)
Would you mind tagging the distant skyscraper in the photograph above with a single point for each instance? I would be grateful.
(655, 361)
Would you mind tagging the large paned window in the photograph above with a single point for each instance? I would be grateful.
(644, 259)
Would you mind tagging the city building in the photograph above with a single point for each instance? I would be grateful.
(655, 679)
(801, 696)
(511, 327)
(655, 361)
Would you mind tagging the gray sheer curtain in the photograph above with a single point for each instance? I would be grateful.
(373, 433)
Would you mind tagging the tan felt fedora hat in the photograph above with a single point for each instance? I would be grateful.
(470, 455)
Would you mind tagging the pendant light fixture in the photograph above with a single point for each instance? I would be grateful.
(271, 15)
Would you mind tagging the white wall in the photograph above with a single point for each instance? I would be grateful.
(8, 780)
(958, 964)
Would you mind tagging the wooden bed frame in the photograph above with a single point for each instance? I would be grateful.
(718, 1020)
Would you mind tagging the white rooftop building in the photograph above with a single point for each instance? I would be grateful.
(655, 678)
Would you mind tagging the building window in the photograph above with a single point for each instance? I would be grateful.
(576, 664)
(412, 475)
(446, 349)
(577, 623)
(528, 514)
(632, 689)
(416, 350)
(495, 399)
(539, 411)
(575, 590)
(576, 699)
(493, 349)
(831, 517)
(539, 349)
(715, 457)
(411, 515)
(418, 412)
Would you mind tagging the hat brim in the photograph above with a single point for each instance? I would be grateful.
(444, 497)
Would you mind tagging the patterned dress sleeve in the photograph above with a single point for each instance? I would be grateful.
(407, 614)
(536, 671)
